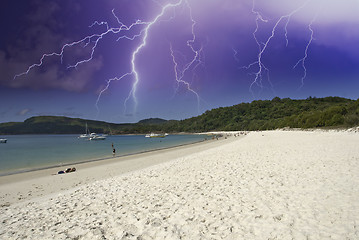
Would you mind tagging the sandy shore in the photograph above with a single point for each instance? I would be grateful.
(28, 185)
(267, 185)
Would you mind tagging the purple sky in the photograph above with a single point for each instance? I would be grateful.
(198, 55)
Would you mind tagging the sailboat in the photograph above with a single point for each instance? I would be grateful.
(86, 135)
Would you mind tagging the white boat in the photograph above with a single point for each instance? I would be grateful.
(94, 136)
(98, 137)
(86, 135)
(156, 135)
(3, 140)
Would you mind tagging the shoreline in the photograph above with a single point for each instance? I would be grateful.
(32, 184)
(90, 160)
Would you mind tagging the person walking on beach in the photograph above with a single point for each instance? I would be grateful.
(113, 151)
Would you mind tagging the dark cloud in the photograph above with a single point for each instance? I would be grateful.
(55, 77)
(44, 31)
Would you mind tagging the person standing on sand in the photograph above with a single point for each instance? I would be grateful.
(113, 151)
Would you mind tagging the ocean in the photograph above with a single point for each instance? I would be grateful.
(24, 153)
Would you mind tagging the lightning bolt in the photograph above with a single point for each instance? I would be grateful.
(106, 88)
(126, 32)
(94, 38)
(235, 54)
(262, 46)
(142, 45)
(179, 77)
(192, 64)
(311, 39)
(302, 60)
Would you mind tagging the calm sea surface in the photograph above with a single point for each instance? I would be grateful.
(29, 152)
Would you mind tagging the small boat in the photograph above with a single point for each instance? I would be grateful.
(98, 137)
(85, 135)
(94, 136)
(156, 135)
(3, 140)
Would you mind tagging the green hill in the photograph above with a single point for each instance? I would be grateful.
(66, 125)
(154, 121)
(277, 113)
(329, 112)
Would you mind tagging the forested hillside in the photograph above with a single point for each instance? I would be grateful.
(66, 125)
(329, 112)
(277, 113)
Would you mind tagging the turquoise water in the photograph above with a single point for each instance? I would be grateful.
(29, 152)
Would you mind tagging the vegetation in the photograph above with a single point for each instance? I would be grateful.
(66, 125)
(278, 113)
(326, 112)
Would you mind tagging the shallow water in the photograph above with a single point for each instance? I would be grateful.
(29, 152)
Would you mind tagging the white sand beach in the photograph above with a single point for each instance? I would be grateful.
(266, 185)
